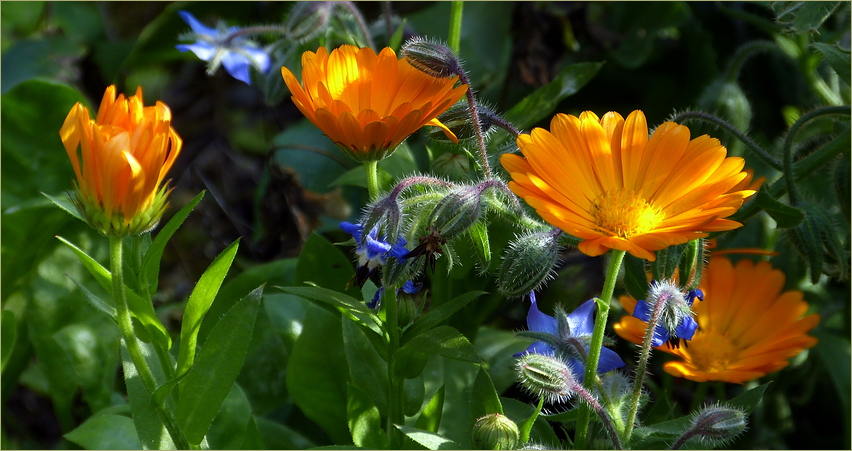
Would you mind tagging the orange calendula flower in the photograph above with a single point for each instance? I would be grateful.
(367, 103)
(120, 159)
(747, 327)
(606, 182)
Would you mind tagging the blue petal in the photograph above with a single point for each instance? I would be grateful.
(538, 347)
(376, 248)
(609, 360)
(578, 369)
(643, 310)
(352, 229)
(202, 50)
(399, 250)
(693, 295)
(661, 335)
(197, 27)
(410, 287)
(582, 320)
(687, 328)
(538, 321)
(376, 297)
(238, 66)
(259, 56)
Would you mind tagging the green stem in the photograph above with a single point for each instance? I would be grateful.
(644, 356)
(395, 395)
(744, 53)
(372, 168)
(125, 324)
(595, 346)
(454, 37)
(361, 23)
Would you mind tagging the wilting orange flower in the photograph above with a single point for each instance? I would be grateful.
(747, 327)
(606, 182)
(120, 160)
(367, 103)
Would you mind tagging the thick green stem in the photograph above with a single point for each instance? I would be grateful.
(595, 346)
(395, 394)
(454, 37)
(644, 355)
(372, 179)
(125, 324)
(789, 174)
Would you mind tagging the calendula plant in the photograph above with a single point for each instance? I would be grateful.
(388, 185)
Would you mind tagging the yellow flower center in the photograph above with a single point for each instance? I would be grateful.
(625, 213)
(712, 352)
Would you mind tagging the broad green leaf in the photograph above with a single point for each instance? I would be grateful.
(65, 204)
(483, 398)
(106, 432)
(325, 265)
(365, 423)
(541, 103)
(151, 260)
(541, 431)
(140, 308)
(443, 341)
(834, 352)
(317, 373)
(163, 391)
(437, 315)
(430, 440)
(837, 58)
(635, 277)
(252, 438)
(278, 436)
(479, 237)
(93, 350)
(784, 215)
(218, 364)
(811, 15)
(497, 348)
(9, 331)
(357, 176)
(430, 419)
(38, 57)
(95, 301)
(331, 297)
(228, 430)
(262, 377)
(149, 426)
(367, 371)
(199, 302)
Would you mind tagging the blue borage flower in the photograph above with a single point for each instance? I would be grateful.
(372, 252)
(580, 324)
(676, 323)
(408, 287)
(237, 55)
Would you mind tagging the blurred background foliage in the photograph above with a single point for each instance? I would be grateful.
(274, 179)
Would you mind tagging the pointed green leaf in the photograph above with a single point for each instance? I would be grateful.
(365, 423)
(525, 427)
(784, 215)
(151, 260)
(66, 205)
(9, 331)
(106, 432)
(443, 341)
(438, 315)
(218, 364)
(479, 237)
(484, 399)
(152, 433)
(367, 371)
(331, 297)
(430, 419)
(428, 439)
(199, 302)
(160, 394)
(837, 58)
(95, 301)
(635, 277)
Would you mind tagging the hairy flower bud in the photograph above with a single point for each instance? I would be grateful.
(431, 58)
(459, 121)
(816, 239)
(307, 20)
(456, 212)
(452, 166)
(714, 425)
(545, 377)
(528, 262)
(495, 431)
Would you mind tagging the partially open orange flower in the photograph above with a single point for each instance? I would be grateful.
(120, 160)
(606, 182)
(367, 103)
(747, 327)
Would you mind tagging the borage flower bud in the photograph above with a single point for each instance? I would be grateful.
(456, 212)
(124, 155)
(528, 263)
(308, 19)
(714, 425)
(495, 431)
(431, 58)
(458, 120)
(545, 377)
(676, 320)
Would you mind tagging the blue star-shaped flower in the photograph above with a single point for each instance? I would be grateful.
(686, 326)
(237, 55)
(581, 325)
(372, 252)
(408, 287)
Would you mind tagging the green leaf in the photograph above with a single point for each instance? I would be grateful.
(365, 423)
(395, 40)
(330, 297)
(525, 427)
(635, 277)
(357, 176)
(139, 308)
(151, 260)
(325, 265)
(812, 14)
(66, 205)
(437, 315)
(483, 398)
(317, 373)
(541, 432)
(199, 302)
(160, 394)
(784, 215)
(106, 432)
(9, 331)
(229, 428)
(479, 237)
(149, 426)
(367, 371)
(443, 341)
(278, 436)
(95, 301)
(38, 58)
(430, 440)
(430, 418)
(837, 58)
(541, 103)
(497, 348)
(218, 364)
(748, 400)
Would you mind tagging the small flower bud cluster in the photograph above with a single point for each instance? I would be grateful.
(432, 58)
(528, 262)
(714, 425)
(495, 431)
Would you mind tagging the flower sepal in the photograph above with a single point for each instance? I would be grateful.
(115, 224)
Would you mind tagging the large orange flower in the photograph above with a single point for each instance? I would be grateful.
(367, 103)
(747, 327)
(606, 182)
(120, 160)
